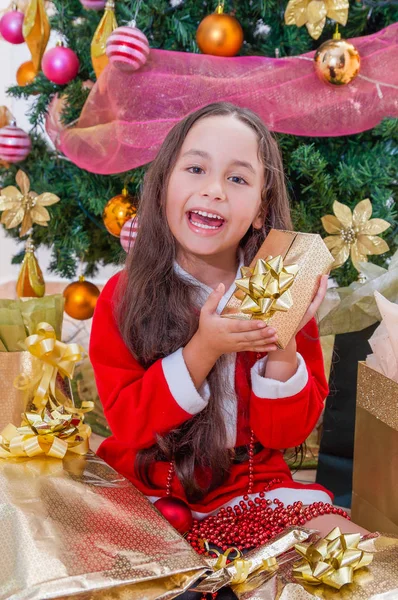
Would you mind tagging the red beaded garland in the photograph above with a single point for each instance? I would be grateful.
(251, 523)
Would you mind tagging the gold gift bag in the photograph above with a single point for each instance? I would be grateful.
(15, 400)
(309, 253)
(375, 482)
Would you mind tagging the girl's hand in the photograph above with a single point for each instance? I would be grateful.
(316, 302)
(219, 335)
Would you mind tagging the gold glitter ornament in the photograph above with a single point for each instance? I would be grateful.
(313, 13)
(106, 26)
(354, 233)
(24, 206)
(30, 282)
(36, 30)
(337, 61)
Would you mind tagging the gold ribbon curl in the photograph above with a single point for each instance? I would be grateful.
(56, 357)
(332, 560)
(52, 432)
(241, 566)
(266, 287)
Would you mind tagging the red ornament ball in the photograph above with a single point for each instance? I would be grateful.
(15, 144)
(60, 65)
(127, 48)
(177, 512)
(11, 27)
(93, 4)
(128, 234)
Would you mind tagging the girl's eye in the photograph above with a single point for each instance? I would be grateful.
(195, 170)
(239, 180)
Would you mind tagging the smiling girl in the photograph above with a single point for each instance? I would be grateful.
(202, 407)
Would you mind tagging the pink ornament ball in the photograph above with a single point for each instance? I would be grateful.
(15, 144)
(60, 65)
(128, 233)
(11, 27)
(93, 4)
(127, 48)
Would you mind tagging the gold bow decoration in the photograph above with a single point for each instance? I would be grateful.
(52, 432)
(313, 13)
(24, 206)
(239, 567)
(354, 233)
(266, 288)
(55, 357)
(332, 560)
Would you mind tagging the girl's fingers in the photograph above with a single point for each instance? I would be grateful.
(253, 337)
(243, 325)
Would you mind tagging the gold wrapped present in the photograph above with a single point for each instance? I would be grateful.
(375, 485)
(377, 581)
(375, 488)
(74, 528)
(281, 281)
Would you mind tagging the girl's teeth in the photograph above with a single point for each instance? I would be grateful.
(206, 214)
(203, 226)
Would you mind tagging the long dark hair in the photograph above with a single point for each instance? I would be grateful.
(156, 309)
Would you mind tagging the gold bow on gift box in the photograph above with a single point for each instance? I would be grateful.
(57, 426)
(55, 357)
(332, 560)
(52, 432)
(267, 287)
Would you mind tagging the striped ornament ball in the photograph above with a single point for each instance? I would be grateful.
(93, 4)
(15, 144)
(127, 48)
(128, 234)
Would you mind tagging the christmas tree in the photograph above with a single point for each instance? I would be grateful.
(319, 170)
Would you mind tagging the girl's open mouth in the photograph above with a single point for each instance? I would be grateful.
(202, 220)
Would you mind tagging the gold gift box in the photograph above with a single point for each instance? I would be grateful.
(375, 484)
(74, 528)
(308, 251)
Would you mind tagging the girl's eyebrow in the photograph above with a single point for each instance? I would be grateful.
(203, 154)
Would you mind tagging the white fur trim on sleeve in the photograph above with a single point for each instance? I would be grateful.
(181, 385)
(263, 387)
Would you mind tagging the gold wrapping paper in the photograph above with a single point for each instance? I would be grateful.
(379, 581)
(306, 250)
(76, 528)
(375, 486)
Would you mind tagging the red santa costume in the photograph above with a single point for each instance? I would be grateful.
(140, 404)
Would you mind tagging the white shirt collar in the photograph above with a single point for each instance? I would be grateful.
(205, 290)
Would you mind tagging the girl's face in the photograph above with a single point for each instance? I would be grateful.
(214, 191)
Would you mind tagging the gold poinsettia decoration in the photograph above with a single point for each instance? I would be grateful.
(24, 206)
(354, 233)
(313, 13)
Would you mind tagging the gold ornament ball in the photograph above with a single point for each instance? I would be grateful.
(219, 34)
(26, 73)
(337, 61)
(117, 211)
(80, 299)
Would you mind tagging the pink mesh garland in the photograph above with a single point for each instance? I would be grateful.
(127, 116)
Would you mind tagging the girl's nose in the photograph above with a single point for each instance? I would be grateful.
(214, 190)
